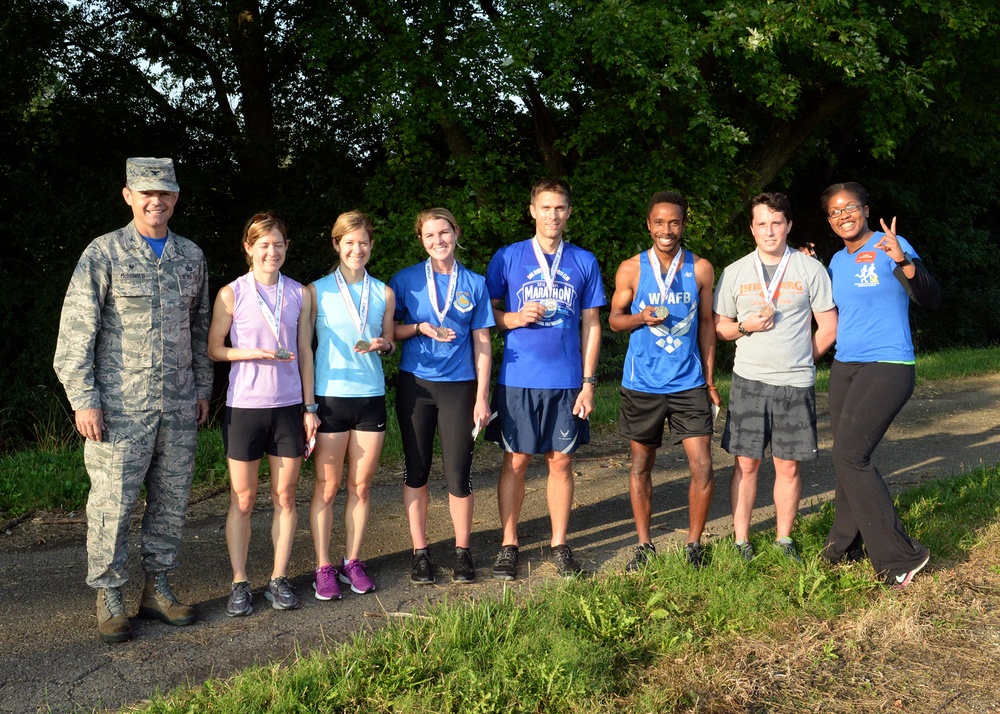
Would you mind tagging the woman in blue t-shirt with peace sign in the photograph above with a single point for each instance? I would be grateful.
(875, 277)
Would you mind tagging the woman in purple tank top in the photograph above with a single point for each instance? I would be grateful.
(262, 313)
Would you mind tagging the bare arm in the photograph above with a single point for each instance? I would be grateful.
(307, 317)
(531, 312)
(590, 320)
(705, 277)
(826, 332)
(626, 283)
(482, 354)
(222, 320)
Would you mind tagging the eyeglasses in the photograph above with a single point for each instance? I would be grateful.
(849, 208)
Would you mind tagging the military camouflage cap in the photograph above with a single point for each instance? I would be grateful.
(143, 173)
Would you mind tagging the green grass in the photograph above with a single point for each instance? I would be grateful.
(602, 637)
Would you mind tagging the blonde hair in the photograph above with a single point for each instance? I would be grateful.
(350, 222)
(436, 214)
(261, 224)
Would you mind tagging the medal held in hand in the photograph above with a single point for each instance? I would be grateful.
(661, 311)
(359, 318)
(549, 274)
(770, 288)
(442, 332)
(273, 317)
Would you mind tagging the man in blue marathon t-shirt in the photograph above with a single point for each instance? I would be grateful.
(545, 293)
(663, 297)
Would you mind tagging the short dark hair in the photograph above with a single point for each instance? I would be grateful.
(777, 202)
(552, 184)
(851, 187)
(667, 197)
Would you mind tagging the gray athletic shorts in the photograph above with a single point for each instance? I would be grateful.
(762, 414)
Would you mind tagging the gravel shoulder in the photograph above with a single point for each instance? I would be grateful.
(52, 660)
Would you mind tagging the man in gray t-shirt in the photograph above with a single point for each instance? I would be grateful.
(767, 302)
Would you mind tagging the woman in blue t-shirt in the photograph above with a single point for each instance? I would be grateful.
(443, 318)
(874, 278)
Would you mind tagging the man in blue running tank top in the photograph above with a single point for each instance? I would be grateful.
(663, 297)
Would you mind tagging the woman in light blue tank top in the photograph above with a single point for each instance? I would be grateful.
(353, 317)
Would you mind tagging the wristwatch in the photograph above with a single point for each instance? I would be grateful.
(312, 408)
(590, 380)
(743, 330)
(907, 260)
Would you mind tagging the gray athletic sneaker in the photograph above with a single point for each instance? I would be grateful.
(787, 549)
(694, 554)
(644, 553)
(280, 594)
(240, 600)
(745, 550)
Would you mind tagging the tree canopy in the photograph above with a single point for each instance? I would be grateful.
(311, 108)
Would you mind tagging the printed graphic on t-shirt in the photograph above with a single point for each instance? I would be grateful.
(563, 293)
(463, 301)
(670, 336)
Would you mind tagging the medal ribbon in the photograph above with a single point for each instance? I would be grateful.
(273, 320)
(360, 319)
(664, 283)
(771, 288)
(543, 264)
(432, 292)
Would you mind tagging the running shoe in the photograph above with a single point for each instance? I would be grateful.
(352, 572)
(279, 593)
(325, 584)
(644, 553)
(422, 572)
(787, 548)
(745, 550)
(695, 554)
(901, 581)
(465, 566)
(505, 566)
(240, 600)
(563, 559)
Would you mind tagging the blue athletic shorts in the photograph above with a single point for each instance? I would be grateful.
(536, 421)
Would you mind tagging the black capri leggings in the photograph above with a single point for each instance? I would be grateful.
(422, 407)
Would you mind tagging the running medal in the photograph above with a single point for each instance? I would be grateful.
(661, 311)
(360, 319)
(770, 289)
(432, 294)
(549, 304)
(273, 319)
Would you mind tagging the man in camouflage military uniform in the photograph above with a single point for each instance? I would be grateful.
(132, 356)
